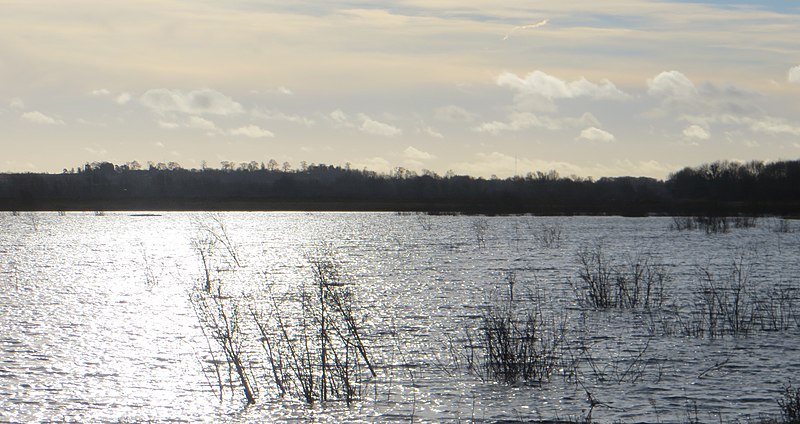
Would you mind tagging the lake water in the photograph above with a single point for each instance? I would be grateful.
(96, 322)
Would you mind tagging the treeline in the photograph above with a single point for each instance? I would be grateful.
(719, 188)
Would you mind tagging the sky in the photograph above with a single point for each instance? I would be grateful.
(479, 87)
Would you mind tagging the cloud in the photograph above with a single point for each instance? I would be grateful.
(769, 125)
(123, 98)
(413, 153)
(36, 117)
(794, 75)
(531, 26)
(16, 103)
(696, 132)
(452, 113)
(367, 124)
(340, 118)
(100, 92)
(197, 102)
(168, 125)
(518, 121)
(252, 131)
(279, 116)
(672, 85)
(538, 89)
(596, 135)
(285, 91)
(772, 126)
(430, 131)
(199, 123)
(371, 126)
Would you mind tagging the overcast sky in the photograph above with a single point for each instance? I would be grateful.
(617, 87)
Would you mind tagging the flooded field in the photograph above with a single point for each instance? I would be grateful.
(116, 317)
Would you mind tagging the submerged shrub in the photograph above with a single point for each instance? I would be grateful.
(549, 235)
(516, 346)
(638, 283)
(315, 347)
(789, 402)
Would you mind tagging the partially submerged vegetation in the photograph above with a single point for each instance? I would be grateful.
(310, 339)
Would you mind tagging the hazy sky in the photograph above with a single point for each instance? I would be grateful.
(617, 87)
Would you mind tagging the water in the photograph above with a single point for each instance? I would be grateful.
(97, 324)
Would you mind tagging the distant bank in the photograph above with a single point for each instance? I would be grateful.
(719, 188)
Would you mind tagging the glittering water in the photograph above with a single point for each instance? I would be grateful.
(96, 322)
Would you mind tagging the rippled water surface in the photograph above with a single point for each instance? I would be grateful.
(96, 322)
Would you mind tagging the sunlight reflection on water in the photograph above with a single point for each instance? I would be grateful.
(97, 324)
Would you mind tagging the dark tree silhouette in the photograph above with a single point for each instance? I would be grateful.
(718, 188)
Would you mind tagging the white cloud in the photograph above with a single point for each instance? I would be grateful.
(199, 123)
(430, 131)
(286, 91)
(794, 75)
(252, 131)
(205, 101)
(538, 89)
(36, 117)
(696, 132)
(371, 126)
(531, 26)
(123, 98)
(100, 92)
(340, 118)
(413, 153)
(453, 113)
(672, 85)
(596, 134)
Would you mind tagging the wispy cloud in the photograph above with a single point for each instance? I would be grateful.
(518, 121)
(16, 103)
(272, 115)
(453, 113)
(36, 117)
(523, 27)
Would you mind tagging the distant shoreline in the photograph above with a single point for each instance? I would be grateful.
(716, 189)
